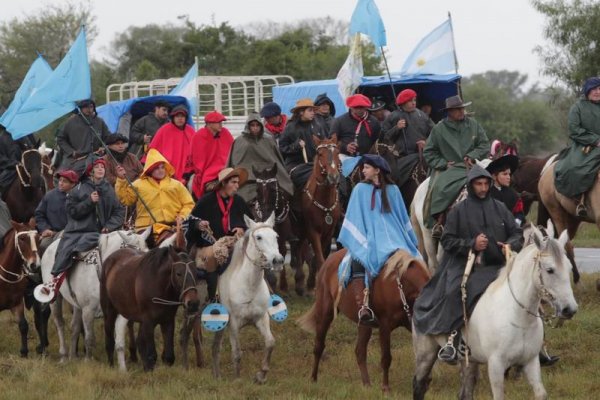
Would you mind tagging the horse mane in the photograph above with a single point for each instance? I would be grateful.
(237, 255)
(503, 274)
(154, 258)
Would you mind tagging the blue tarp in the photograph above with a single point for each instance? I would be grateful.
(112, 112)
(431, 89)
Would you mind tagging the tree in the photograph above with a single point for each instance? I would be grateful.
(572, 29)
(50, 31)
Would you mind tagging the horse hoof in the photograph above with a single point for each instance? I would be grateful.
(300, 292)
(260, 378)
(385, 390)
(598, 285)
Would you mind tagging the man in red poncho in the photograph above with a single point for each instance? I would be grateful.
(210, 150)
(174, 141)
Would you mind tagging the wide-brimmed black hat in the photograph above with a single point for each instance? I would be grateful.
(500, 164)
(455, 102)
(116, 137)
(377, 105)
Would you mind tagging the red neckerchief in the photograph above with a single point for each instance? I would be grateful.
(361, 121)
(225, 210)
(277, 129)
(375, 187)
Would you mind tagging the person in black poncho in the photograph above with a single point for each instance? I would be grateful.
(502, 170)
(216, 222)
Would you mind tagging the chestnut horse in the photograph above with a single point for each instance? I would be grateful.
(270, 198)
(320, 211)
(392, 297)
(27, 190)
(146, 288)
(18, 259)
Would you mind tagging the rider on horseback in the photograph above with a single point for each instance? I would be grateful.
(479, 224)
(453, 146)
(376, 225)
(10, 156)
(216, 222)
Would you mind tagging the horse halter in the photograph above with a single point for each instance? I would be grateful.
(26, 271)
(330, 160)
(261, 261)
(184, 290)
(286, 206)
(21, 167)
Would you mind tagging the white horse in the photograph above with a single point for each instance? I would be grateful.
(244, 291)
(505, 328)
(81, 287)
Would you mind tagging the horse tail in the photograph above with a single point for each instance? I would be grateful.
(308, 321)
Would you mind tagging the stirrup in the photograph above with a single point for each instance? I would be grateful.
(437, 231)
(448, 352)
(366, 314)
(581, 210)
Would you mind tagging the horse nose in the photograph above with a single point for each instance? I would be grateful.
(278, 261)
(568, 312)
(192, 306)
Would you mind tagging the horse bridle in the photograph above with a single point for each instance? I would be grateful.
(286, 205)
(188, 273)
(26, 271)
(261, 262)
(331, 159)
(27, 173)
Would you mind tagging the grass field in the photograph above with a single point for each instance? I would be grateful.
(574, 377)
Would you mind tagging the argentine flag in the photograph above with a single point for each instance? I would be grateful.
(188, 88)
(435, 53)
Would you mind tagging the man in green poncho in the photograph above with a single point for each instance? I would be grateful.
(453, 146)
(576, 171)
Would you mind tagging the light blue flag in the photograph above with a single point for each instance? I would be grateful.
(366, 20)
(188, 88)
(37, 74)
(57, 96)
(435, 53)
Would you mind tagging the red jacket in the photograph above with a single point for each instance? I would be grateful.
(175, 145)
(209, 155)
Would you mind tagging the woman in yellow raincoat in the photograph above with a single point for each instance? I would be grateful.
(165, 196)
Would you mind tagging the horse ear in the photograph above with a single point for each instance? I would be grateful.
(31, 223)
(274, 169)
(563, 239)
(146, 234)
(334, 138)
(538, 238)
(249, 222)
(271, 220)
(316, 140)
(550, 228)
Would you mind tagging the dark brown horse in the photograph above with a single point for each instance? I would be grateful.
(270, 198)
(320, 210)
(18, 259)
(392, 297)
(28, 189)
(146, 288)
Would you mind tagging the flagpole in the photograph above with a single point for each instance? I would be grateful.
(198, 91)
(454, 53)
(389, 76)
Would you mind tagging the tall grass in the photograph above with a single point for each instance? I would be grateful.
(574, 377)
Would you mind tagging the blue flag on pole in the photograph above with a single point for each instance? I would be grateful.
(366, 19)
(188, 88)
(434, 54)
(57, 96)
(35, 77)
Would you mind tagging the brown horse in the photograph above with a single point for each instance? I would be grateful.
(320, 211)
(18, 259)
(562, 210)
(28, 189)
(392, 297)
(270, 198)
(146, 288)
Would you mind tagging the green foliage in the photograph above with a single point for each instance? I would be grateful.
(49, 31)
(572, 29)
(510, 111)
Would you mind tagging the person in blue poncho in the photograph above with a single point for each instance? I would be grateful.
(375, 227)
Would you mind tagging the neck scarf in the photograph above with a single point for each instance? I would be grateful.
(277, 129)
(225, 210)
(364, 120)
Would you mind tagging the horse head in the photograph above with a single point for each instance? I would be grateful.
(267, 192)
(327, 160)
(554, 281)
(131, 239)
(260, 242)
(31, 161)
(500, 149)
(27, 242)
(183, 279)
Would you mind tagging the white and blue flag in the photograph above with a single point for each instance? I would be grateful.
(188, 88)
(435, 53)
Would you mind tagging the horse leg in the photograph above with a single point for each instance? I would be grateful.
(386, 354)
(236, 351)
(283, 284)
(59, 322)
(323, 320)
(216, 353)
(168, 333)
(425, 349)
(184, 339)
(572, 226)
(75, 331)
(297, 263)
(197, 332)
(534, 377)
(496, 370)
(191, 325)
(364, 335)
(264, 328)
(88, 316)
(110, 318)
(131, 337)
(19, 312)
(469, 376)
(318, 259)
(120, 326)
(146, 345)
(41, 314)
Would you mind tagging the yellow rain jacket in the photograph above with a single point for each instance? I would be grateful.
(167, 198)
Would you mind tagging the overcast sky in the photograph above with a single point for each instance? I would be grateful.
(489, 35)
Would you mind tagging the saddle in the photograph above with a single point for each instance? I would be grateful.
(210, 258)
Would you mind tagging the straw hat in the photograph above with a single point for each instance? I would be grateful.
(227, 173)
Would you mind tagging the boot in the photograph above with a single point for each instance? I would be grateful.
(546, 360)
(581, 210)
(53, 286)
(212, 280)
(366, 316)
(438, 228)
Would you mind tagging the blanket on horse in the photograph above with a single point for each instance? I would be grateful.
(371, 235)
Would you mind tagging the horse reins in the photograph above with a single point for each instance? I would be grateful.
(24, 274)
(286, 205)
(21, 165)
(184, 290)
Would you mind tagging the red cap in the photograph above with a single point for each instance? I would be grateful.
(68, 174)
(214, 117)
(358, 100)
(405, 95)
(90, 166)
